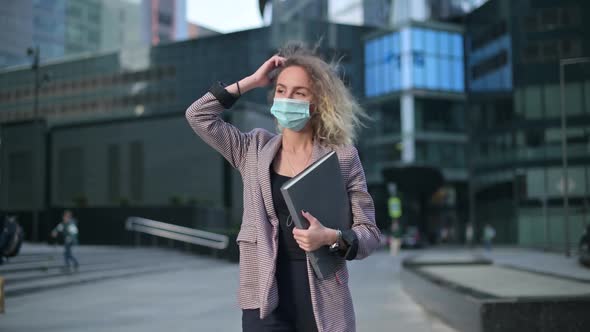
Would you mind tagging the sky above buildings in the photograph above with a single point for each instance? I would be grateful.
(224, 15)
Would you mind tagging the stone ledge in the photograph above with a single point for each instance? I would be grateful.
(474, 310)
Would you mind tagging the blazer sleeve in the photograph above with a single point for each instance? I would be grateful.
(204, 116)
(363, 210)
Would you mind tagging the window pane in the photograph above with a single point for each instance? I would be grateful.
(573, 98)
(532, 102)
(457, 75)
(457, 45)
(430, 45)
(445, 80)
(444, 43)
(551, 98)
(395, 68)
(369, 79)
(417, 39)
(387, 75)
(380, 70)
(438, 64)
(431, 71)
(418, 69)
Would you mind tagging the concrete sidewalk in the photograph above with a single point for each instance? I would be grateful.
(202, 297)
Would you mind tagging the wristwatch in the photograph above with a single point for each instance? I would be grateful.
(336, 245)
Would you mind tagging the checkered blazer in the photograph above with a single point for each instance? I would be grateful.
(252, 154)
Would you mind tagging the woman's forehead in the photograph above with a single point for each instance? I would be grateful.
(294, 76)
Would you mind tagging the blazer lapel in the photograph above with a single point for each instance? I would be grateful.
(318, 151)
(266, 156)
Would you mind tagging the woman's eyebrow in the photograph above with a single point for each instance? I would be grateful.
(295, 87)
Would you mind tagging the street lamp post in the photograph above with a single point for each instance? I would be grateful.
(35, 53)
(562, 64)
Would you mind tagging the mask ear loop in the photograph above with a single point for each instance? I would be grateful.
(289, 221)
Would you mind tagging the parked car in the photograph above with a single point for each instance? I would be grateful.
(412, 238)
(584, 248)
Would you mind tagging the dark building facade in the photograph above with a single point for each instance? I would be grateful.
(513, 52)
(109, 130)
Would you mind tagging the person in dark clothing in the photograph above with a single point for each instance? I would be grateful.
(584, 247)
(11, 238)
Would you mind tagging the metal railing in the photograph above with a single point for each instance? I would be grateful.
(175, 232)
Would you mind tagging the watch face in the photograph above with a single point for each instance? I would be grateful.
(334, 247)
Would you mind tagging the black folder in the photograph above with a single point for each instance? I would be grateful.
(320, 190)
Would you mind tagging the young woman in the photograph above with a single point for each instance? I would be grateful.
(316, 114)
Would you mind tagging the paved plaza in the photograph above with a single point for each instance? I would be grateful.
(156, 289)
(200, 295)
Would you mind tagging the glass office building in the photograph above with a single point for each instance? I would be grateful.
(513, 81)
(414, 88)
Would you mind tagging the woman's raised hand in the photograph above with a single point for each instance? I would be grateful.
(261, 78)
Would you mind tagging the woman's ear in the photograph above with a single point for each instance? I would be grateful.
(312, 107)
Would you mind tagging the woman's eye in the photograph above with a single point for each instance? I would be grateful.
(300, 94)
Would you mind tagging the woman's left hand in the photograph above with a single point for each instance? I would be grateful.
(312, 238)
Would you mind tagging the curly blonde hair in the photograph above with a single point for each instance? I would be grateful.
(337, 115)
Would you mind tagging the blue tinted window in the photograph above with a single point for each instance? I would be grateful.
(378, 59)
(395, 72)
(431, 71)
(387, 56)
(457, 45)
(431, 44)
(380, 49)
(439, 65)
(444, 41)
(381, 68)
(418, 65)
(417, 39)
(445, 73)
(396, 41)
(458, 74)
(370, 81)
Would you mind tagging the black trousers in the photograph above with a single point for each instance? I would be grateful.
(295, 312)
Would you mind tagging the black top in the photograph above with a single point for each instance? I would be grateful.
(288, 247)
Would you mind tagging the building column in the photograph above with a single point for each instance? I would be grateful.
(407, 118)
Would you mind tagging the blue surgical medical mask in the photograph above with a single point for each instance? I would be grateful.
(291, 113)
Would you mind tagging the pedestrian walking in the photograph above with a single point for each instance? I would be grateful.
(395, 239)
(315, 114)
(69, 230)
(489, 233)
(469, 234)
